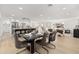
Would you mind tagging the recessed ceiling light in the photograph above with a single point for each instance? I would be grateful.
(62, 22)
(41, 14)
(20, 8)
(64, 8)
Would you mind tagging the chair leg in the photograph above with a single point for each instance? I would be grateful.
(51, 47)
(45, 49)
(21, 51)
(37, 52)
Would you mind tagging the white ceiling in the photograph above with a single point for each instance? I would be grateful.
(39, 11)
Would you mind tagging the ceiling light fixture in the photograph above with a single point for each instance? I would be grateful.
(64, 8)
(41, 14)
(20, 8)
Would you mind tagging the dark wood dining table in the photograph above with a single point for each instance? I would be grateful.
(32, 40)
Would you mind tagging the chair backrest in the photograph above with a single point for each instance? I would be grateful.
(18, 43)
(52, 36)
(18, 33)
(44, 38)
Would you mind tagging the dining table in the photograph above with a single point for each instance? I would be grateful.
(31, 40)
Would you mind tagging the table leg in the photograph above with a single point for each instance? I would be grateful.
(32, 47)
